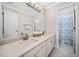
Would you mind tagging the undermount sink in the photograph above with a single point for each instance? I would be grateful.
(37, 34)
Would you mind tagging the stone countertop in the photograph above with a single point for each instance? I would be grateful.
(17, 48)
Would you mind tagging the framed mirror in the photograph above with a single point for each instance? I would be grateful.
(17, 17)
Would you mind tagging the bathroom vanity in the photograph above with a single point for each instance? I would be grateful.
(17, 22)
(33, 47)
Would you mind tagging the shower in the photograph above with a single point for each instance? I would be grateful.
(66, 26)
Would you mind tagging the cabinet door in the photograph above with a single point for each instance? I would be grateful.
(52, 42)
(42, 52)
(48, 46)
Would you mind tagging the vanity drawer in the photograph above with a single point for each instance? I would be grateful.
(43, 45)
(29, 54)
(33, 52)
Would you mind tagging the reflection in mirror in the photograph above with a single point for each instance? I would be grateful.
(39, 23)
(17, 17)
(10, 23)
(1, 21)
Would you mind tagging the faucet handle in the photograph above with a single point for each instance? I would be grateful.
(22, 33)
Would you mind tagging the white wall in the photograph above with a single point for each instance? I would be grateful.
(24, 19)
(51, 18)
(51, 21)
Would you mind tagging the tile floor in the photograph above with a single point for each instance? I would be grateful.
(65, 51)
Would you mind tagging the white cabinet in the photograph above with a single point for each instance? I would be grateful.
(33, 52)
(42, 50)
(41, 53)
(29, 54)
(52, 42)
(50, 45)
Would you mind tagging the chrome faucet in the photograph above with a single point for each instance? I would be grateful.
(24, 36)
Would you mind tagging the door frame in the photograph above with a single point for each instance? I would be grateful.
(57, 35)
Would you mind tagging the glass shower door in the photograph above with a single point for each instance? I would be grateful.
(66, 29)
(66, 26)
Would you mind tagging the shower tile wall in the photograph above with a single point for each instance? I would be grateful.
(66, 29)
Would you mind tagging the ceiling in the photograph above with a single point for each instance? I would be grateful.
(23, 7)
(47, 4)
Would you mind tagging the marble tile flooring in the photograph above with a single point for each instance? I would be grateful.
(63, 51)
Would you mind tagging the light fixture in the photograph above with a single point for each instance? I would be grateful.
(35, 6)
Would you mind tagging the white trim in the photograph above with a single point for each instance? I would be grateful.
(77, 31)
